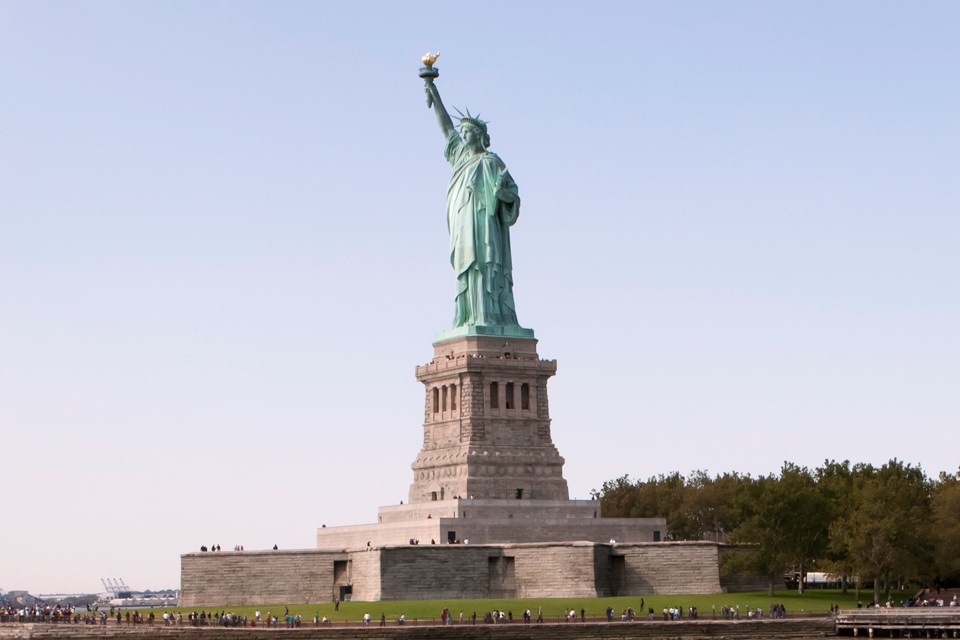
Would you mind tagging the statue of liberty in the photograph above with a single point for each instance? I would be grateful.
(482, 205)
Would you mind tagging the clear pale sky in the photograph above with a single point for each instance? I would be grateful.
(223, 251)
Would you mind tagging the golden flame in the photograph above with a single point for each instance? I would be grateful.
(429, 58)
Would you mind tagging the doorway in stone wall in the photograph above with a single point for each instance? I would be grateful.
(451, 537)
(618, 572)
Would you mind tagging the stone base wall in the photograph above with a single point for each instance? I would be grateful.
(531, 570)
(257, 577)
(365, 575)
(674, 567)
(489, 571)
(434, 572)
(556, 571)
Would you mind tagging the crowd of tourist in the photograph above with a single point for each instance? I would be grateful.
(909, 602)
(67, 614)
(239, 547)
(37, 613)
(934, 602)
(216, 547)
(57, 614)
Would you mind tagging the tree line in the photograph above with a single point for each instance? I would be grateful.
(885, 527)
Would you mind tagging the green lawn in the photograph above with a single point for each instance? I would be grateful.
(812, 601)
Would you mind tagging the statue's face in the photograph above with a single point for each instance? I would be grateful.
(472, 137)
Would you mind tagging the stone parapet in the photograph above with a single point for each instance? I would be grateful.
(553, 530)
(492, 521)
(491, 363)
(485, 347)
(357, 536)
(516, 509)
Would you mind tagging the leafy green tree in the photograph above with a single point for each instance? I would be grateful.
(808, 510)
(945, 532)
(659, 497)
(785, 523)
(698, 508)
(709, 510)
(618, 498)
(882, 534)
(881, 525)
(761, 532)
(835, 480)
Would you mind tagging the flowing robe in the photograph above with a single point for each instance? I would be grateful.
(479, 225)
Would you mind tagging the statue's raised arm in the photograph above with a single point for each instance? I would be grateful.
(428, 73)
(443, 118)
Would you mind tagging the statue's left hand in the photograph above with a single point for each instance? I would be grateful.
(500, 193)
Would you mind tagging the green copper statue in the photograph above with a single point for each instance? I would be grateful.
(482, 204)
